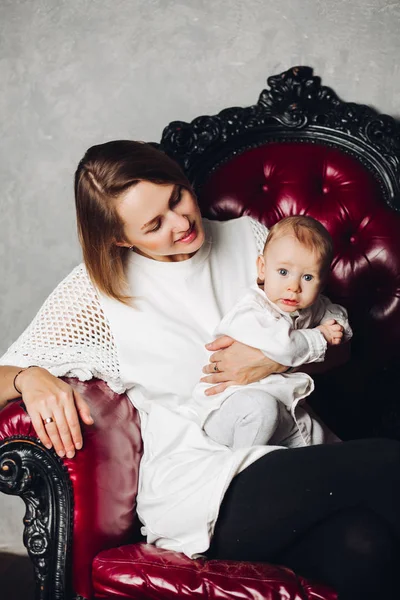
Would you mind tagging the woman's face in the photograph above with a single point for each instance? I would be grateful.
(162, 222)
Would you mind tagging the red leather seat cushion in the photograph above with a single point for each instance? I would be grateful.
(144, 572)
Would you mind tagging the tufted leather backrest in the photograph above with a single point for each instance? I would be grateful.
(301, 150)
(277, 180)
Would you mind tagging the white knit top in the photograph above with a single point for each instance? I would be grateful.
(71, 336)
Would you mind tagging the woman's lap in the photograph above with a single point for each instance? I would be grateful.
(276, 500)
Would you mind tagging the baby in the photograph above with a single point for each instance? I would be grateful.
(291, 323)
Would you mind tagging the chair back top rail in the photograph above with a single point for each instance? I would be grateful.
(296, 108)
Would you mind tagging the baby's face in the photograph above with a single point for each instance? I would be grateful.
(291, 273)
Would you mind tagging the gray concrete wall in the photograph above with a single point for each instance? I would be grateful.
(78, 72)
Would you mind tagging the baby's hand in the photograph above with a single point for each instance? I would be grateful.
(332, 332)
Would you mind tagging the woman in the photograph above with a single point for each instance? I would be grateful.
(157, 279)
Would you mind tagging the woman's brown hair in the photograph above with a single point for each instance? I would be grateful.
(104, 173)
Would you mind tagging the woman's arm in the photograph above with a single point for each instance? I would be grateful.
(239, 364)
(47, 396)
(7, 390)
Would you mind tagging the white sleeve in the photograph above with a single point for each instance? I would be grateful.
(325, 309)
(252, 324)
(70, 335)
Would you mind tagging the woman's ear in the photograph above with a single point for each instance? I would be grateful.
(123, 244)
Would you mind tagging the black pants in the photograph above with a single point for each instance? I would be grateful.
(330, 512)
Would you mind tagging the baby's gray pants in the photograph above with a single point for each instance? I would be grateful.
(253, 417)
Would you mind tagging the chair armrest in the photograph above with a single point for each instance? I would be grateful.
(75, 507)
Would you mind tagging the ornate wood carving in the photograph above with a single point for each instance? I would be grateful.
(295, 108)
(39, 477)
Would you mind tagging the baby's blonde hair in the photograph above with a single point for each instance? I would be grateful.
(309, 232)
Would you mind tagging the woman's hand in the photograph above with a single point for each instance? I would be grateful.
(47, 397)
(234, 363)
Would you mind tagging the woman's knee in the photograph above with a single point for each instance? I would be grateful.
(370, 549)
(353, 550)
(367, 536)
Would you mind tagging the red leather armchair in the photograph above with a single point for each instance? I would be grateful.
(298, 150)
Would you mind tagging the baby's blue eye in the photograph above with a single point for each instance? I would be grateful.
(308, 277)
(283, 272)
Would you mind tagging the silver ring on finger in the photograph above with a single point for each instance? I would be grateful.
(48, 420)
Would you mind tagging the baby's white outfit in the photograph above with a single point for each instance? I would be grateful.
(271, 410)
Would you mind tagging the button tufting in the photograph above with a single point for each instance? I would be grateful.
(265, 187)
(325, 189)
(353, 239)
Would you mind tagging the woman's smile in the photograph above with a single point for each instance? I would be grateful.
(189, 236)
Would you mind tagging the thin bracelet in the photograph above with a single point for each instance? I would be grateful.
(15, 378)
